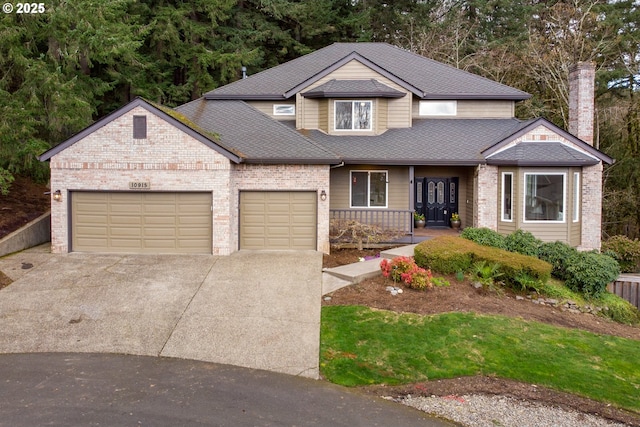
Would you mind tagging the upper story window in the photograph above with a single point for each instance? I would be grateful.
(284, 110)
(438, 108)
(353, 115)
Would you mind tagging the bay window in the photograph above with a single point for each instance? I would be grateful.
(544, 198)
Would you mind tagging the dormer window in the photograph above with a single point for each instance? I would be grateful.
(353, 115)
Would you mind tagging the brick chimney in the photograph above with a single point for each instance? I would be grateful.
(581, 100)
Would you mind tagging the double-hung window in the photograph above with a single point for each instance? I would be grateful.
(544, 198)
(369, 189)
(353, 115)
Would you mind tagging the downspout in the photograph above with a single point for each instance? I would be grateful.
(337, 166)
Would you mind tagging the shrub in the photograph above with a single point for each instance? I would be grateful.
(590, 272)
(625, 251)
(557, 254)
(406, 270)
(445, 254)
(449, 255)
(522, 242)
(483, 236)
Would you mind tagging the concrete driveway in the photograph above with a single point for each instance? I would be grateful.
(257, 309)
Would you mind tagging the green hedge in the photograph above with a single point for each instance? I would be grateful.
(484, 236)
(448, 255)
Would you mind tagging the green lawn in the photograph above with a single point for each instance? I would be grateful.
(361, 346)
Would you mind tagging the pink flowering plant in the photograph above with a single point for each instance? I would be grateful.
(404, 269)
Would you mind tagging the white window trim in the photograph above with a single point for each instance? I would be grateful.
(287, 106)
(386, 190)
(504, 174)
(576, 197)
(423, 106)
(352, 101)
(564, 199)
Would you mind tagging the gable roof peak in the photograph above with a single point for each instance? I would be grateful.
(426, 78)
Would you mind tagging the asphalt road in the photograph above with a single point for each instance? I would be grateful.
(76, 389)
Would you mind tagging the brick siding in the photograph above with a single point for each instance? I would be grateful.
(591, 206)
(171, 160)
(486, 200)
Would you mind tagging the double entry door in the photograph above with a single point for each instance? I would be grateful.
(437, 199)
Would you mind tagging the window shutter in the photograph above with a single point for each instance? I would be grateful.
(139, 127)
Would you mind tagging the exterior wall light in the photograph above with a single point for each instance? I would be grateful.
(57, 196)
(323, 195)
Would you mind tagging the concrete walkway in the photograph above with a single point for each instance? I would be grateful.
(345, 275)
(255, 309)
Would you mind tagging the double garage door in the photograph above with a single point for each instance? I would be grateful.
(141, 222)
(116, 222)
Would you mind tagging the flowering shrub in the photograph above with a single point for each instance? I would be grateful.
(404, 269)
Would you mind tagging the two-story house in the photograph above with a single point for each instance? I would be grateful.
(354, 130)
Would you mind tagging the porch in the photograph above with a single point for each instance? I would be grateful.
(393, 226)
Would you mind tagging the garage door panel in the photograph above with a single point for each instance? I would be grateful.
(278, 220)
(92, 219)
(93, 231)
(141, 222)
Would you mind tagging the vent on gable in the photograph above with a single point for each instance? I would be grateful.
(139, 127)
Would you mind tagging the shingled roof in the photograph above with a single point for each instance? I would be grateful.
(428, 142)
(258, 137)
(548, 153)
(424, 77)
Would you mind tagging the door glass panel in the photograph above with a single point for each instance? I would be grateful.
(419, 192)
(431, 189)
(452, 193)
(440, 192)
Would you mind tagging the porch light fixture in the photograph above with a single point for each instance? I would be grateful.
(57, 196)
(323, 195)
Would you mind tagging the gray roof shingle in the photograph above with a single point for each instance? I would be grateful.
(428, 142)
(425, 77)
(257, 137)
(549, 153)
(353, 88)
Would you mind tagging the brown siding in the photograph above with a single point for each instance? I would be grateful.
(381, 110)
(398, 109)
(267, 108)
(398, 187)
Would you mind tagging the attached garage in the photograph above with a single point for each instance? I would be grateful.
(132, 222)
(278, 220)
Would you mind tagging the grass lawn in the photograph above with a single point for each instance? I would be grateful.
(362, 346)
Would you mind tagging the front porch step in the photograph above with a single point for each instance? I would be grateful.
(399, 251)
(356, 272)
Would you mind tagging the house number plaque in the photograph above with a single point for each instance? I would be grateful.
(139, 185)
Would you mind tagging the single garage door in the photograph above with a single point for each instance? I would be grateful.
(278, 220)
(141, 222)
